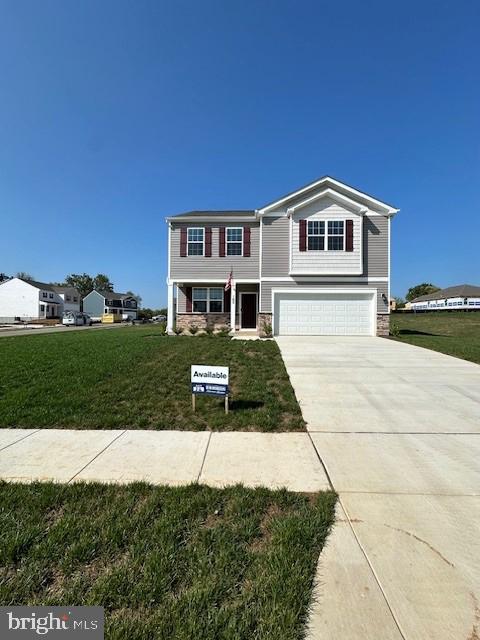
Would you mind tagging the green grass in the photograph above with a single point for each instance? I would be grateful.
(169, 563)
(453, 332)
(136, 378)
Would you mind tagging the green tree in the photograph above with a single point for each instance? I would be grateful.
(421, 290)
(24, 275)
(83, 282)
(101, 282)
(400, 302)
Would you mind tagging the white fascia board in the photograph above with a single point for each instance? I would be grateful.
(354, 192)
(223, 220)
(325, 278)
(214, 280)
(334, 195)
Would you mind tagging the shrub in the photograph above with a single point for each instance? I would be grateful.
(178, 331)
(209, 330)
(267, 329)
(193, 329)
(224, 332)
(394, 329)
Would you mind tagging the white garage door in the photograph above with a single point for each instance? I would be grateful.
(327, 314)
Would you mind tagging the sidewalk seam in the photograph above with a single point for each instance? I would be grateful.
(394, 618)
(96, 456)
(377, 580)
(20, 439)
(204, 456)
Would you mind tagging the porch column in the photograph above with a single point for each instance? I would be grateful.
(170, 309)
(233, 305)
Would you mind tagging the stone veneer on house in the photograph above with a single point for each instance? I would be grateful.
(383, 324)
(203, 320)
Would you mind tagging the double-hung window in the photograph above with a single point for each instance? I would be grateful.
(336, 235)
(196, 241)
(316, 235)
(326, 235)
(234, 241)
(207, 300)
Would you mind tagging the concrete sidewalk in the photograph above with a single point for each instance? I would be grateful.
(398, 430)
(272, 460)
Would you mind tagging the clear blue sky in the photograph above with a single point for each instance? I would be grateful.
(116, 114)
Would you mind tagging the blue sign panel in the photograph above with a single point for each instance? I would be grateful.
(207, 389)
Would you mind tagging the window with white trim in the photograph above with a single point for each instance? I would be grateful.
(196, 241)
(336, 235)
(234, 241)
(207, 300)
(316, 235)
(326, 235)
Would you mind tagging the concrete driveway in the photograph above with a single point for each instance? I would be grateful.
(398, 430)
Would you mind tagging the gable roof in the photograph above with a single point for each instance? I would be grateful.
(336, 185)
(458, 291)
(37, 285)
(114, 295)
(63, 289)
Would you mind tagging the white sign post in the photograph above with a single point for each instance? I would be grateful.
(209, 381)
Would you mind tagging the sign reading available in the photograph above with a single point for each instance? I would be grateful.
(210, 381)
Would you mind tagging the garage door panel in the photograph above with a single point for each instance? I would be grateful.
(324, 314)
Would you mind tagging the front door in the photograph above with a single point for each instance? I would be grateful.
(248, 317)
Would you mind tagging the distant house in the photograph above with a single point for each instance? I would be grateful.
(393, 304)
(462, 296)
(96, 303)
(26, 300)
(70, 296)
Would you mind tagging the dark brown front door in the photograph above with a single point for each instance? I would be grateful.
(249, 311)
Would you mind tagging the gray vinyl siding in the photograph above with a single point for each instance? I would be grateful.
(94, 304)
(375, 246)
(182, 298)
(214, 267)
(276, 249)
(266, 291)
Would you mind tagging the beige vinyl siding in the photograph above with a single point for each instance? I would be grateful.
(275, 254)
(327, 262)
(266, 291)
(214, 267)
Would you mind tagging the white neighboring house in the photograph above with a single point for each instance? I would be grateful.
(70, 296)
(462, 296)
(26, 300)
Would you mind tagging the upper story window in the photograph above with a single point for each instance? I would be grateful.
(234, 241)
(44, 294)
(50, 295)
(75, 299)
(316, 235)
(67, 298)
(336, 235)
(207, 300)
(326, 235)
(196, 241)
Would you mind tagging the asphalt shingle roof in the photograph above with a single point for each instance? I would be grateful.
(201, 214)
(458, 291)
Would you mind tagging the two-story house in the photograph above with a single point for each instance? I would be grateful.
(25, 300)
(313, 262)
(96, 303)
(70, 296)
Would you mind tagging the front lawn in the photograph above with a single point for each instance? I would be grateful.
(170, 563)
(456, 333)
(136, 378)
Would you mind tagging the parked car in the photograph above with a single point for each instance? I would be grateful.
(159, 318)
(77, 319)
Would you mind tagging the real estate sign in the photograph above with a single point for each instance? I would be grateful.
(210, 381)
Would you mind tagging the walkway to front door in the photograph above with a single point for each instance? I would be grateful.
(248, 310)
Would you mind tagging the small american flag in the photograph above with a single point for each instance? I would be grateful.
(228, 283)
